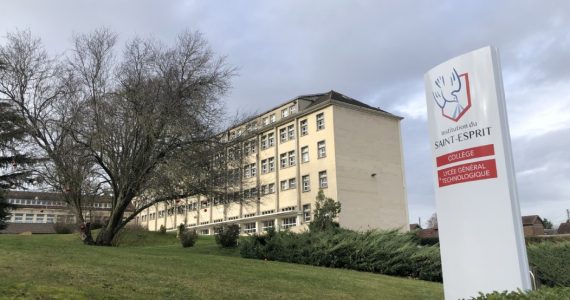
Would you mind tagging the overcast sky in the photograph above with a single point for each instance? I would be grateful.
(373, 51)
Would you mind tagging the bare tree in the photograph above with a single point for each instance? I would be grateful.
(156, 109)
(432, 221)
(43, 94)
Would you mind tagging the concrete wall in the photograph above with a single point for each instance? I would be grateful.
(368, 143)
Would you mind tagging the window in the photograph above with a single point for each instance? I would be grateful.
(263, 142)
(249, 147)
(283, 135)
(271, 139)
(264, 166)
(268, 189)
(267, 212)
(322, 150)
(40, 218)
(249, 170)
(272, 118)
(271, 163)
(29, 218)
(306, 183)
(249, 215)
(293, 109)
(291, 132)
(289, 222)
(291, 158)
(285, 113)
(266, 225)
(266, 121)
(233, 218)
(283, 159)
(292, 183)
(320, 121)
(323, 179)
(249, 227)
(305, 154)
(205, 231)
(284, 185)
(288, 184)
(264, 190)
(18, 218)
(307, 212)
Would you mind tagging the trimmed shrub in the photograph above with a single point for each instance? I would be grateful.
(188, 238)
(540, 294)
(227, 235)
(552, 262)
(162, 229)
(387, 252)
(63, 228)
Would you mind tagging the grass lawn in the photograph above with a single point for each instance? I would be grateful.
(154, 266)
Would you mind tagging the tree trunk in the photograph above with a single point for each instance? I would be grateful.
(108, 232)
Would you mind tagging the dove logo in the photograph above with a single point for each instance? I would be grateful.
(452, 95)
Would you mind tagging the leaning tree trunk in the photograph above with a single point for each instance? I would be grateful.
(109, 231)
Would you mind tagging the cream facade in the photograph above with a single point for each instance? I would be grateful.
(325, 141)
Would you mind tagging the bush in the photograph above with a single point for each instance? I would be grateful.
(387, 252)
(63, 228)
(162, 229)
(188, 238)
(227, 235)
(552, 262)
(540, 294)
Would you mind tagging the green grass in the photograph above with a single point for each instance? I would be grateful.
(154, 266)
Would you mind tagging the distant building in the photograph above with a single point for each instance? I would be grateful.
(564, 228)
(48, 208)
(415, 226)
(532, 225)
(326, 141)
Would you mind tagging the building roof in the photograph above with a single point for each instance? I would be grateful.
(531, 220)
(33, 195)
(334, 95)
(564, 228)
(315, 100)
(415, 226)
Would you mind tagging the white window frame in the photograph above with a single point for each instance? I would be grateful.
(291, 132)
(321, 149)
(304, 124)
(271, 163)
(249, 227)
(291, 157)
(306, 182)
(320, 121)
(283, 160)
(323, 180)
(288, 222)
(304, 154)
(283, 135)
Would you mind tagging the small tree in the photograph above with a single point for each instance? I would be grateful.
(326, 211)
(547, 223)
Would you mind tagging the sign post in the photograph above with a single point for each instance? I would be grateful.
(479, 221)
